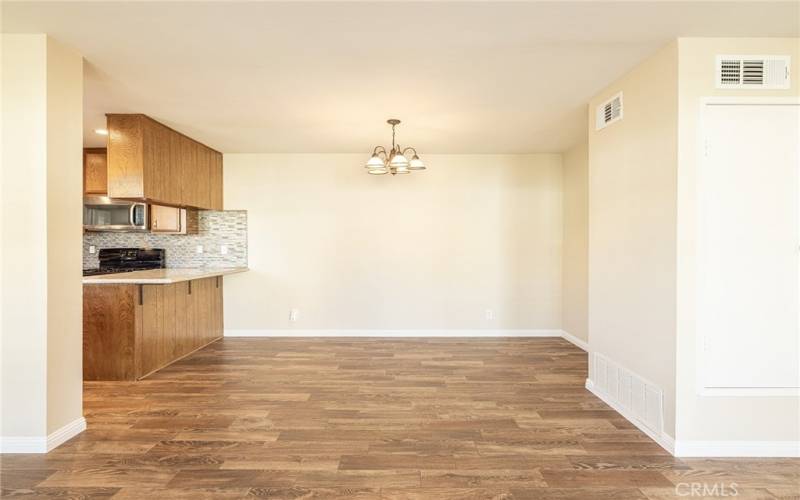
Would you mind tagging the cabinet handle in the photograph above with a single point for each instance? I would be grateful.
(190, 288)
(217, 281)
(141, 295)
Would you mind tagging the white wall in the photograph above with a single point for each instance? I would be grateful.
(428, 251)
(717, 419)
(24, 239)
(632, 226)
(42, 93)
(575, 260)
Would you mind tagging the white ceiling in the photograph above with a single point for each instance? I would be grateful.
(471, 77)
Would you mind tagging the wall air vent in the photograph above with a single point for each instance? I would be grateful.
(752, 72)
(608, 112)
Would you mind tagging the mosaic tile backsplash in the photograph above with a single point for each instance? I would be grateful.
(227, 228)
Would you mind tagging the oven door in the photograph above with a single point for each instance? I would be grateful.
(101, 213)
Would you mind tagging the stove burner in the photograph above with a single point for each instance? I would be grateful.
(124, 260)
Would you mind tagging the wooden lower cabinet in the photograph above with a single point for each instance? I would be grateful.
(130, 331)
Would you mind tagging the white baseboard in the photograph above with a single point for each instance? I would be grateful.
(64, 434)
(42, 444)
(393, 333)
(663, 440)
(575, 340)
(730, 449)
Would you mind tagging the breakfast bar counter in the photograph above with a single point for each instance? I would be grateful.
(160, 276)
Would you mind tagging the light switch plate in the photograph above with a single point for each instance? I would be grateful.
(223, 249)
(199, 248)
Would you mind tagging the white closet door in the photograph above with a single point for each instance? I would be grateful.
(749, 246)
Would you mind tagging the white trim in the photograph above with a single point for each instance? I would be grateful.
(64, 434)
(37, 444)
(665, 441)
(575, 340)
(744, 100)
(774, 449)
(749, 392)
(391, 333)
(43, 444)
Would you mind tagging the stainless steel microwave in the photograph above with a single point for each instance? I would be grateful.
(101, 213)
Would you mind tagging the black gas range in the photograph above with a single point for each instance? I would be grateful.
(123, 260)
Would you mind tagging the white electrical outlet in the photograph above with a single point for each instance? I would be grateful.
(92, 249)
(490, 314)
(223, 249)
(199, 249)
(293, 313)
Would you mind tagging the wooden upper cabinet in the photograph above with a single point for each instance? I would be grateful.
(95, 173)
(150, 161)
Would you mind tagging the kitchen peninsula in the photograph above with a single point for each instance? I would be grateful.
(138, 322)
(153, 207)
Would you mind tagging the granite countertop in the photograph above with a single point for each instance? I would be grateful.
(160, 276)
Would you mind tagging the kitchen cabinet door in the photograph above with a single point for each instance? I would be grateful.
(203, 172)
(206, 312)
(125, 156)
(152, 337)
(95, 171)
(175, 175)
(111, 327)
(219, 328)
(165, 219)
(188, 161)
(184, 324)
(156, 160)
(216, 181)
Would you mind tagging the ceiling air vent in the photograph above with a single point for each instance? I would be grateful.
(608, 112)
(752, 72)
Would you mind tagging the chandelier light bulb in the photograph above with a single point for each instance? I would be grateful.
(375, 162)
(416, 164)
(398, 161)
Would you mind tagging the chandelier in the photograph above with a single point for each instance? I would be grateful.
(395, 161)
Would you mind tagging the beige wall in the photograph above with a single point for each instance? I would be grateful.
(632, 226)
(712, 418)
(642, 225)
(575, 257)
(428, 251)
(42, 97)
(64, 235)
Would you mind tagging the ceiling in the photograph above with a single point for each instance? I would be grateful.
(471, 77)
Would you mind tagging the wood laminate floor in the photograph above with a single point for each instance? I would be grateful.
(372, 418)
